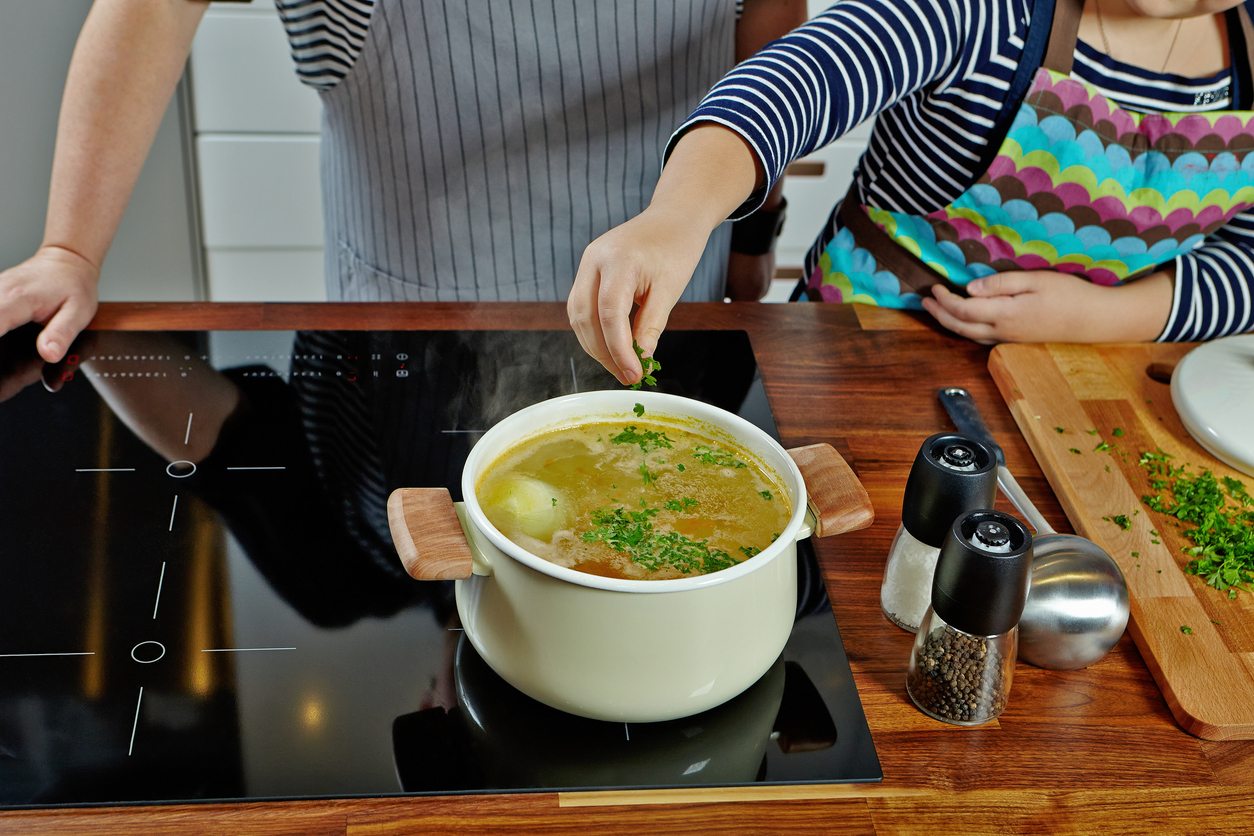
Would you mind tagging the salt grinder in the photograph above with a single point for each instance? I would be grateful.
(951, 474)
(963, 656)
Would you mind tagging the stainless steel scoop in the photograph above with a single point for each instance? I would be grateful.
(1077, 606)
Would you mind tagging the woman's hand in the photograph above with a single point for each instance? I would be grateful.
(1048, 306)
(646, 262)
(55, 287)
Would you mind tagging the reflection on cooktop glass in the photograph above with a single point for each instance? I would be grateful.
(199, 597)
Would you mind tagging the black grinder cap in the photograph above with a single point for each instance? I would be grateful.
(951, 474)
(980, 587)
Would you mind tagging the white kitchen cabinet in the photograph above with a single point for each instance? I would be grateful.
(257, 159)
(259, 191)
(242, 76)
(252, 274)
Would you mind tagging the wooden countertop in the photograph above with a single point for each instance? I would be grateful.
(1086, 751)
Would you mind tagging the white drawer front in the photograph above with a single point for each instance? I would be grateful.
(260, 191)
(243, 78)
(264, 275)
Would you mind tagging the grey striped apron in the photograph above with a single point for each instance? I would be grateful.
(477, 146)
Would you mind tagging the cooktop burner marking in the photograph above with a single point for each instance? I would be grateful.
(135, 725)
(241, 649)
(256, 468)
(176, 469)
(77, 653)
(626, 731)
(103, 469)
(161, 579)
(157, 658)
(187, 435)
(172, 510)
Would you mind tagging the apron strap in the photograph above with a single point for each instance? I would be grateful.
(913, 274)
(1240, 39)
(1063, 33)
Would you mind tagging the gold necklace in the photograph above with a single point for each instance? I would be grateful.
(1101, 27)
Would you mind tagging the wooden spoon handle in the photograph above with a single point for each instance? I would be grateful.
(835, 495)
(428, 535)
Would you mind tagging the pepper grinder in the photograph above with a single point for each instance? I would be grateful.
(963, 656)
(951, 474)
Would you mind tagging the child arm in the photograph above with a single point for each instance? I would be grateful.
(801, 92)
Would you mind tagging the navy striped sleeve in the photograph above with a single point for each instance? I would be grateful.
(326, 37)
(839, 69)
(1214, 287)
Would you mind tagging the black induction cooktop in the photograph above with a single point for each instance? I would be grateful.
(199, 599)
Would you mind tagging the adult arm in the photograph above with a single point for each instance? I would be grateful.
(802, 92)
(125, 66)
(762, 21)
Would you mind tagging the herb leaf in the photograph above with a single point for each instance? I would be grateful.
(647, 365)
(679, 504)
(1222, 517)
(715, 456)
(632, 533)
(649, 440)
(1120, 520)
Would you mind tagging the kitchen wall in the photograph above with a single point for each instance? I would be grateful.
(155, 255)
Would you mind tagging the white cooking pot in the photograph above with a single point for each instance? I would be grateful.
(624, 650)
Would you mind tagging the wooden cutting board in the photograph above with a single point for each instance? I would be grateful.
(1207, 677)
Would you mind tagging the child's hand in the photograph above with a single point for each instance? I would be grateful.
(1047, 306)
(647, 262)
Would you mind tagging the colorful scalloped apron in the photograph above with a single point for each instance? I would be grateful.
(1078, 185)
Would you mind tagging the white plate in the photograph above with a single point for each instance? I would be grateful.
(1213, 390)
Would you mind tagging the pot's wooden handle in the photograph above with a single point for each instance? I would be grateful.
(835, 495)
(428, 535)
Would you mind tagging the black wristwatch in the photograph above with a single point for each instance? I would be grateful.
(756, 234)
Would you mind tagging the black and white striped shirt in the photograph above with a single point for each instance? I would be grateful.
(936, 73)
(326, 37)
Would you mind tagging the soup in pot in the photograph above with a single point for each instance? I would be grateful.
(638, 500)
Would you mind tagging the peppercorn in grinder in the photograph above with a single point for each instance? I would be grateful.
(963, 656)
(951, 474)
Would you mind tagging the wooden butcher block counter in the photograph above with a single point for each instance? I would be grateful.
(1090, 751)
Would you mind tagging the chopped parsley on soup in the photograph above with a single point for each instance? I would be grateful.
(639, 500)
